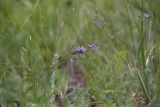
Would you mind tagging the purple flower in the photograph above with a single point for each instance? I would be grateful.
(92, 46)
(81, 50)
(146, 15)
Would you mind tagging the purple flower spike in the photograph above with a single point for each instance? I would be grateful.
(92, 46)
(81, 50)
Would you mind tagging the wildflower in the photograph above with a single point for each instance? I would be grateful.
(146, 15)
(92, 46)
(81, 50)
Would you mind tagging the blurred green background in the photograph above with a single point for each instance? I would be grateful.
(123, 72)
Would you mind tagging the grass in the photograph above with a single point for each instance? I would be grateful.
(38, 37)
